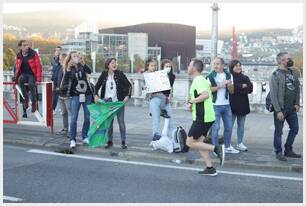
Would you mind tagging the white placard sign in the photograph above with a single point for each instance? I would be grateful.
(156, 81)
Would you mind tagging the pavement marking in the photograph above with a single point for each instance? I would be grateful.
(162, 165)
(12, 199)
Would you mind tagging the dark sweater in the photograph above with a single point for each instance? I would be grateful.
(79, 80)
(239, 100)
(171, 79)
(123, 85)
(63, 83)
(56, 67)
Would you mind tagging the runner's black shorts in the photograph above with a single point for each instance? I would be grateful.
(199, 128)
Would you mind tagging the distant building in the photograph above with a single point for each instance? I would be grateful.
(120, 46)
(154, 52)
(138, 44)
(88, 26)
(203, 48)
(113, 45)
(174, 39)
(74, 45)
(91, 41)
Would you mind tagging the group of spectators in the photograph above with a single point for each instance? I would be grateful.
(223, 93)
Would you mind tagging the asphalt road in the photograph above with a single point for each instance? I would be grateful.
(30, 176)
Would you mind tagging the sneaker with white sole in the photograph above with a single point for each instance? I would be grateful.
(72, 144)
(208, 172)
(242, 147)
(231, 150)
(86, 141)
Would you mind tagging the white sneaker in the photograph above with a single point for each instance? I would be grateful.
(72, 144)
(231, 150)
(86, 141)
(242, 147)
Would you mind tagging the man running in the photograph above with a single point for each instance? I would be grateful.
(203, 115)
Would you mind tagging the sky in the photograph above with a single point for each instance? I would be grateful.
(240, 15)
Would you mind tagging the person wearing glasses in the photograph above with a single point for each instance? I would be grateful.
(114, 87)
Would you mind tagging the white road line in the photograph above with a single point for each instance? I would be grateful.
(12, 199)
(162, 165)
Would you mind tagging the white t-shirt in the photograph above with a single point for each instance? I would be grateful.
(221, 100)
(110, 88)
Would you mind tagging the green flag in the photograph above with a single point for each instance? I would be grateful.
(102, 114)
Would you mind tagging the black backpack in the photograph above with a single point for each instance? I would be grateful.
(269, 105)
(179, 137)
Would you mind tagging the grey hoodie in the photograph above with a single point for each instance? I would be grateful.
(277, 85)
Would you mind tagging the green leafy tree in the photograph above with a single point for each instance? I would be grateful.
(9, 59)
(298, 60)
(138, 62)
(100, 60)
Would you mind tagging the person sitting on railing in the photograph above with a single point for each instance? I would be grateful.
(28, 70)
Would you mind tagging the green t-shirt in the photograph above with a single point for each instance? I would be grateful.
(203, 111)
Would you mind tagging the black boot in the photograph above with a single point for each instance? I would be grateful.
(292, 154)
(164, 113)
(25, 115)
(123, 145)
(109, 144)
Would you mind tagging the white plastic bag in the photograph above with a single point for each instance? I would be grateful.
(164, 143)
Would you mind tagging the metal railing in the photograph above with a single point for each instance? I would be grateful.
(181, 87)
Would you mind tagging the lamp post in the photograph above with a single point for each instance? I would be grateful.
(93, 59)
(214, 33)
(132, 63)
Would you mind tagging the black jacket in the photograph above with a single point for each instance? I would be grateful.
(63, 83)
(56, 67)
(77, 76)
(123, 85)
(171, 79)
(239, 100)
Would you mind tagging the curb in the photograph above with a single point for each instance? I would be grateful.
(129, 155)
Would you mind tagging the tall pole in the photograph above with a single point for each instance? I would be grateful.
(234, 45)
(214, 33)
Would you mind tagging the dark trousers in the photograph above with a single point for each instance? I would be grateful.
(120, 119)
(30, 79)
(54, 98)
(292, 120)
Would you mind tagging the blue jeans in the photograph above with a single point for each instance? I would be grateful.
(75, 107)
(292, 120)
(225, 112)
(240, 126)
(120, 119)
(155, 111)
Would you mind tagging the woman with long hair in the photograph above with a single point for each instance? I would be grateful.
(159, 98)
(81, 93)
(114, 87)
